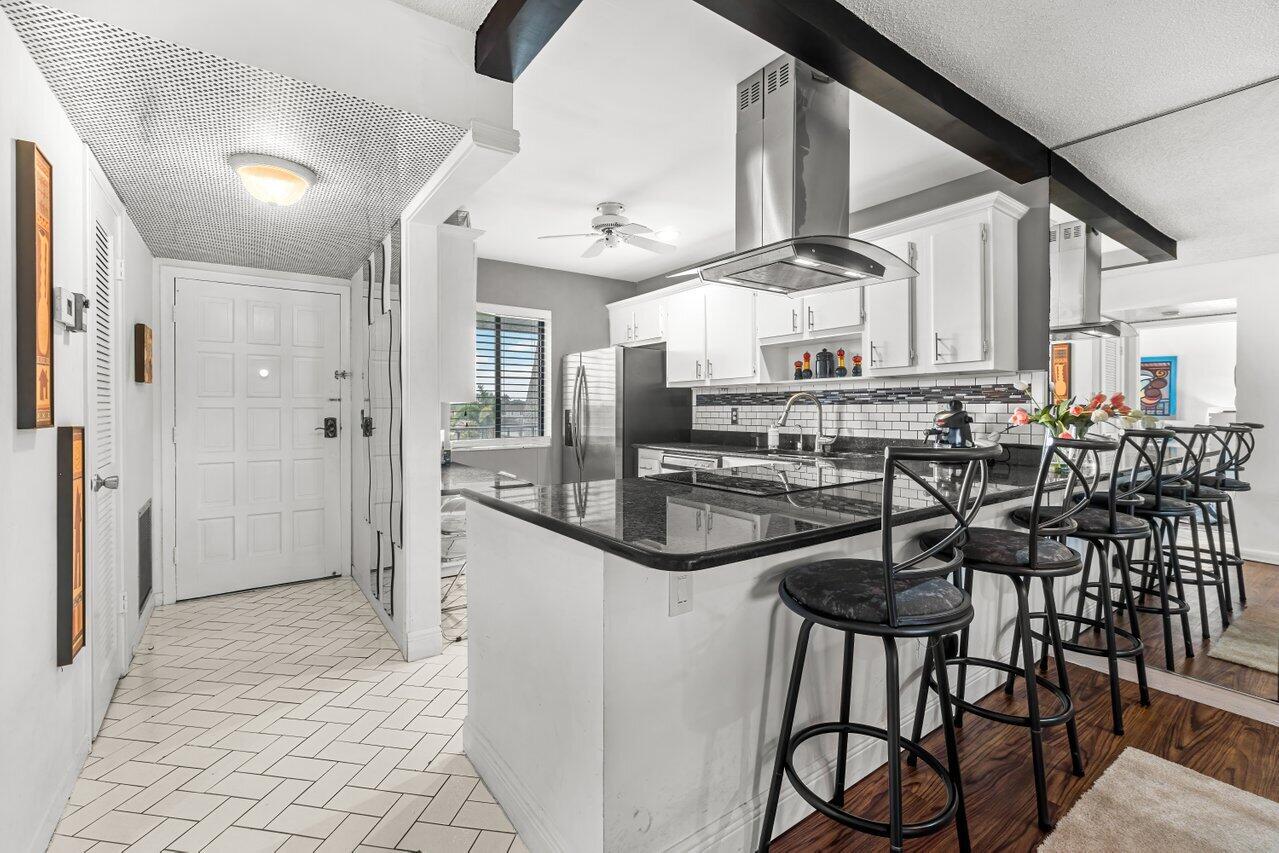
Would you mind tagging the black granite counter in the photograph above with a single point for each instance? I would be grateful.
(679, 527)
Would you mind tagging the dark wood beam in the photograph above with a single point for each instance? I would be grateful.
(830, 38)
(514, 32)
(1075, 193)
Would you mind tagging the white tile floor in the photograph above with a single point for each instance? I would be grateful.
(283, 720)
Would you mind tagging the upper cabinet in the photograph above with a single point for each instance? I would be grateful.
(817, 315)
(889, 343)
(710, 335)
(637, 321)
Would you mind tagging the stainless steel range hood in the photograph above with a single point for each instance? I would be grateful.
(1074, 272)
(792, 176)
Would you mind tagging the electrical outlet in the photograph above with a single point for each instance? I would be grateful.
(732, 415)
(680, 599)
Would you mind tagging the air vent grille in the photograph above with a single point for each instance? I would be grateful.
(783, 75)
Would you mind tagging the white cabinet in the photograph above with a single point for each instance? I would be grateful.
(777, 315)
(890, 314)
(686, 336)
(649, 462)
(831, 311)
(730, 333)
(958, 292)
(637, 321)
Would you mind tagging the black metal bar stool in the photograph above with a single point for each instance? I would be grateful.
(1187, 486)
(1237, 443)
(889, 599)
(1023, 557)
(1106, 527)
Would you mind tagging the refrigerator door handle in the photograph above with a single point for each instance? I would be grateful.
(579, 385)
(568, 428)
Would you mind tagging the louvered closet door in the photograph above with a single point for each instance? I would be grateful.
(258, 483)
(104, 604)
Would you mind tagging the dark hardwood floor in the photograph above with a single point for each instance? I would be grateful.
(1263, 596)
(997, 769)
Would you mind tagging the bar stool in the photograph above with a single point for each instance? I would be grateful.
(1188, 486)
(1023, 558)
(1106, 527)
(1237, 443)
(890, 599)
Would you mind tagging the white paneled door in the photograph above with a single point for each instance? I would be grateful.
(258, 479)
(105, 604)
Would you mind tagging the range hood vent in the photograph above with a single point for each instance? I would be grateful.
(1074, 272)
(792, 175)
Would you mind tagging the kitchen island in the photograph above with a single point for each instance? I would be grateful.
(629, 654)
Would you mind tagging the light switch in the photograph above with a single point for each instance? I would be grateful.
(681, 594)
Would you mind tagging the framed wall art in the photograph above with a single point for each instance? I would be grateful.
(34, 286)
(1159, 385)
(1060, 372)
(71, 593)
(142, 353)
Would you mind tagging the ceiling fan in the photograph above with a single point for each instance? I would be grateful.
(612, 229)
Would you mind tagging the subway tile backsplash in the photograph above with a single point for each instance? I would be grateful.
(878, 408)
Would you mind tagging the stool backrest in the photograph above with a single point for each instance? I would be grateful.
(1073, 453)
(1235, 445)
(1193, 440)
(1138, 464)
(962, 507)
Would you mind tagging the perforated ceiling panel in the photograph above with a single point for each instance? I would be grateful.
(162, 120)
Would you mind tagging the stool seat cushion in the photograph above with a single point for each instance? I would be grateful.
(1226, 484)
(1010, 548)
(1186, 492)
(1168, 506)
(853, 591)
(1094, 519)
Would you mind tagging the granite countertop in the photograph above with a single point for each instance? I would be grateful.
(679, 527)
(457, 476)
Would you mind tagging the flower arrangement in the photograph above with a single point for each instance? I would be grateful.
(1070, 419)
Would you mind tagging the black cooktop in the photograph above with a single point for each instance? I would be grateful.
(779, 478)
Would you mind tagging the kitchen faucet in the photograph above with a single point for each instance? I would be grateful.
(822, 441)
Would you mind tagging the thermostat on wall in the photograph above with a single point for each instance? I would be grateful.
(69, 309)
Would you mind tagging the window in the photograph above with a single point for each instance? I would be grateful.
(510, 408)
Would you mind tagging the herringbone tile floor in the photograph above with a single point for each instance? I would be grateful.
(283, 720)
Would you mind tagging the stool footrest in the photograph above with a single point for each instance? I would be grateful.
(1135, 647)
(861, 824)
(1176, 604)
(1063, 715)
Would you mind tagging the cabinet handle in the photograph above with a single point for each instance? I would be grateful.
(871, 347)
(630, 333)
(810, 318)
(710, 371)
(936, 346)
(698, 373)
(794, 320)
(635, 328)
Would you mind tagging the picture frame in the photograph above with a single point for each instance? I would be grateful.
(1059, 373)
(1159, 385)
(142, 370)
(71, 592)
(33, 209)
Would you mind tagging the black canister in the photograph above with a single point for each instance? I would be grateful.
(825, 366)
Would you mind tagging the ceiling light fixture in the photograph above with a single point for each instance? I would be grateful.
(273, 180)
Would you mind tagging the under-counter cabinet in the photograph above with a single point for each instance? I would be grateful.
(710, 335)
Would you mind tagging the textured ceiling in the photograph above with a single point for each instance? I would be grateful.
(162, 119)
(467, 14)
(1064, 70)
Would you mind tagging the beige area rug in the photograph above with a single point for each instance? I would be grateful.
(1144, 803)
(1252, 640)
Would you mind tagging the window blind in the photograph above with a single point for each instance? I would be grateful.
(510, 380)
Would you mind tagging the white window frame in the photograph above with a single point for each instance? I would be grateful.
(544, 440)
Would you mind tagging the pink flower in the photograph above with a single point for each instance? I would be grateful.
(1097, 401)
(1020, 417)
(1117, 400)
(1065, 434)
(1076, 410)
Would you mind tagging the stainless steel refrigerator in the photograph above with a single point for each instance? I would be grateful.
(612, 399)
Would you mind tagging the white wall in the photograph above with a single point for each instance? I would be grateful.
(1205, 364)
(1254, 284)
(45, 715)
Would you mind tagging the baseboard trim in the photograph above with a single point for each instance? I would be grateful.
(426, 643)
(519, 803)
(53, 814)
(1258, 555)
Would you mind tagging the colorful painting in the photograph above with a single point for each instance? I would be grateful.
(34, 232)
(1159, 385)
(1060, 372)
(142, 353)
(70, 587)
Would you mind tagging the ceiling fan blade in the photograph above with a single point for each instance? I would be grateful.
(651, 245)
(595, 248)
(634, 228)
(561, 236)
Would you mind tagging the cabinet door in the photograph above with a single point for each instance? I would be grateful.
(647, 321)
(777, 315)
(619, 325)
(957, 270)
(824, 312)
(686, 336)
(891, 313)
(730, 333)
(685, 527)
(724, 529)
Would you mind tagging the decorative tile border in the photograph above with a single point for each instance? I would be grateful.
(991, 393)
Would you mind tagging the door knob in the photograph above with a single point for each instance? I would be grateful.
(100, 482)
(330, 428)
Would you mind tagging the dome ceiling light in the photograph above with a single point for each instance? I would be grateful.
(273, 180)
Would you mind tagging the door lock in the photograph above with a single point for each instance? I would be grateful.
(330, 428)
(366, 424)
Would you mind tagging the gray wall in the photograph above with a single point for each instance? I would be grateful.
(1032, 248)
(579, 321)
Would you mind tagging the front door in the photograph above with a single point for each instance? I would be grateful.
(257, 404)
